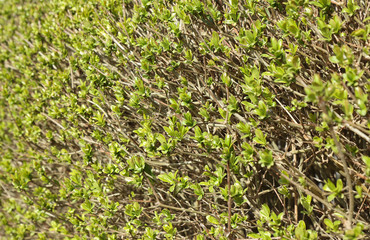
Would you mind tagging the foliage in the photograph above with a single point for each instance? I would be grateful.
(184, 119)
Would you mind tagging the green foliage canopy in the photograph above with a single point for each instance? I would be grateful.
(184, 119)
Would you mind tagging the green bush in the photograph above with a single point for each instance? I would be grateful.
(184, 119)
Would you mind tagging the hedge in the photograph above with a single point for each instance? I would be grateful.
(184, 119)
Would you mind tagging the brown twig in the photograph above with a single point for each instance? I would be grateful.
(348, 223)
(229, 200)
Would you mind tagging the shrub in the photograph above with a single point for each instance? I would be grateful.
(184, 119)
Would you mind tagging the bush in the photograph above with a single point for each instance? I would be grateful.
(184, 119)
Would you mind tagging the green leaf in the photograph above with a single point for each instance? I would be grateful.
(306, 203)
(261, 111)
(265, 213)
(233, 104)
(244, 128)
(226, 79)
(329, 186)
(87, 206)
(167, 177)
(212, 220)
(198, 190)
(366, 160)
(351, 8)
(260, 137)
(266, 159)
(361, 33)
(359, 192)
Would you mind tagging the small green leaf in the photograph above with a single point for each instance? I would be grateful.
(87, 206)
(166, 177)
(266, 159)
(260, 137)
(244, 128)
(212, 220)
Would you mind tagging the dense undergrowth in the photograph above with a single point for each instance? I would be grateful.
(184, 119)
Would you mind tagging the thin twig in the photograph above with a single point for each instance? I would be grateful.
(351, 200)
(229, 200)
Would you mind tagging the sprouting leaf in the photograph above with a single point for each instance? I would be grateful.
(266, 159)
(265, 213)
(212, 220)
(260, 137)
(351, 8)
(87, 206)
(244, 128)
(168, 177)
